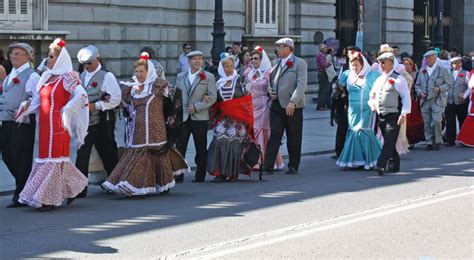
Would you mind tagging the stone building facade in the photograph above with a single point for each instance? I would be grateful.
(121, 27)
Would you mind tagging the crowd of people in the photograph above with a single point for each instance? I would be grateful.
(382, 108)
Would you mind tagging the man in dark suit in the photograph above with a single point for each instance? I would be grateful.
(287, 92)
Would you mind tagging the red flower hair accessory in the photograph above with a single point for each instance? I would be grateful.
(289, 63)
(259, 48)
(59, 42)
(15, 80)
(144, 56)
(391, 81)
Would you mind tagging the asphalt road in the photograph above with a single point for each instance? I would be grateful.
(426, 212)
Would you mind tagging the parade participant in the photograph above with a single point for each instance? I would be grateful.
(361, 148)
(149, 164)
(415, 126)
(389, 91)
(288, 81)
(233, 124)
(457, 106)
(160, 71)
(466, 134)
(104, 95)
(62, 106)
(17, 140)
(196, 84)
(432, 86)
(257, 78)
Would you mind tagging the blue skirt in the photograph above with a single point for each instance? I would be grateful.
(362, 148)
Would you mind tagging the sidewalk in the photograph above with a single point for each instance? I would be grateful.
(318, 138)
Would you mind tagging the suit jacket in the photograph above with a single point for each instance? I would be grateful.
(439, 78)
(291, 84)
(459, 87)
(194, 94)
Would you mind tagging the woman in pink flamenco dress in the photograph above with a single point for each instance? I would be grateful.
(257, 81)
(62, 108)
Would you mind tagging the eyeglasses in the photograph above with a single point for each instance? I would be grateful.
(87, 63)
(17, 54)
(51, 57)
(255, 58)
(188, 48)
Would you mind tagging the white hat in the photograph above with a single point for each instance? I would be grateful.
(22, 45)
(194, 53)
(286, 41)
(87, 54)
(429, 53)
(386, 56)
(454, 59)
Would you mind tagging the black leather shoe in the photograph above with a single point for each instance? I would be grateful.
(450, 144)
(83, 194)
(436, 147)
(334, 156)
(380, 170)
(16, 204)
(179, 178)
(292, 170)
(429, 147)
(69, 201)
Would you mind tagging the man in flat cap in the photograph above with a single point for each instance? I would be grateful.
(17, 140)
(390, 98)
(104, 95)
(432, 86)
(199, 93)
(287, 92)
(457, 106)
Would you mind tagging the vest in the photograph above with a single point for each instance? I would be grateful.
(459, 87)
(389, 99)
(13, 95)
(95, 93)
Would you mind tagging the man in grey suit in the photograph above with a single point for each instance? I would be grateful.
(195, 85)
(457, 106)
(432, 86)
(287, 93)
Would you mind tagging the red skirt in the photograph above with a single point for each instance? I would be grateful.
(415, 125)
(466, 134)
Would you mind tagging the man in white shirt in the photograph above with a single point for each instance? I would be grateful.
(183, 64)
(17, 140)
(104, 95)
(390, 98)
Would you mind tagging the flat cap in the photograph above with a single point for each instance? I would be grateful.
(454, 59)
(194, 53)
(286, 41)
(386, 56)
(87, 54)
(22, 45)
(429, 53)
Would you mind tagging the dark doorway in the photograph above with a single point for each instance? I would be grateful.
(346, 18)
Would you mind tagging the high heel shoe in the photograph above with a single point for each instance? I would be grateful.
(46, 208)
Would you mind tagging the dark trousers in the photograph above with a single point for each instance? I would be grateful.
(452, 112)
(199, 131)
(17, 142)
(293, 126)
(341, 133)
(102, 136)
(323, 91)
(389, 127)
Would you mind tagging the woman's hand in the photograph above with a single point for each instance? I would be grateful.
(206, 99)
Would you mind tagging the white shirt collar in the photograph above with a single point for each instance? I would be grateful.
(95, 71)
(284, 60)
(431, 69)
(20, 69)
(192, 76)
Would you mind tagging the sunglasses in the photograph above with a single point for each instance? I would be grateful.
(51, 57)
(255, 58)
(87, 63)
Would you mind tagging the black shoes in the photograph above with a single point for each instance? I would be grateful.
(292, 170)
(429, 147)
(16, 204)
(380, 171)
(436, 147)
(70, 200)
(197, 180)
(179, 178)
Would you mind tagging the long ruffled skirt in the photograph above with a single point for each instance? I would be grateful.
(362, 148)
(140, 172)
(51, 182)
(466, 134)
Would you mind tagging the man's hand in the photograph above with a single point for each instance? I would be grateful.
(191, 109)
(273, 94)
(461, 98)
(436, 90)
(402, 119)
(206, 99)
(290, 109)
(92, 107)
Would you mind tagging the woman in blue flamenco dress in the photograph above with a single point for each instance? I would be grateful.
(361, 148)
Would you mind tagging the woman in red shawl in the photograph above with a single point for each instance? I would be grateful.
(233, 125)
